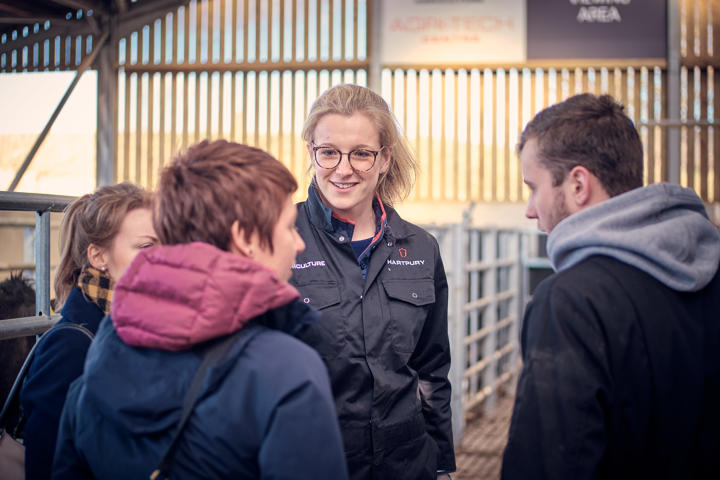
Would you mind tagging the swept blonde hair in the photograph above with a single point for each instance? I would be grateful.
(397, 182)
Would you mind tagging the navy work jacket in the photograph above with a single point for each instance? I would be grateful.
(384, 340)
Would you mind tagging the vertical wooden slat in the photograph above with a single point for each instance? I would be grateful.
(481, 136)
(468, 140)
(256, 110)
(715, 24)
(716, 131)
(163, 37)
(161, 131)
(233, 100)
(306, 30)
(126, 141)
(151, 43)
(270, 34)
(41, 55)
(318, 27)
(257, 20)
(196, 94)
(186, 41)
(342, 30)
(211, 8)
(246, 31)
(331, 30)
(233, 33)
(173, 114)
(244, 100)
(198, 36)
(283, 50)
(704, 153)
(690, 167)
(138, 129)
(417, 130)
(506, 140)
(186, 110)
(150, 137)
(356, 29)
(650, 146)
(208, 111)
(221, 104)
(494, 146)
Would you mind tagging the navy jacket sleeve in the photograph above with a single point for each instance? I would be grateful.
(58, 361)
(558, 424)
(68, 463)
(431, 360)
(303, 438)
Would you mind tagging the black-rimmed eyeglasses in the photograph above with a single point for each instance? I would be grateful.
(361, 159)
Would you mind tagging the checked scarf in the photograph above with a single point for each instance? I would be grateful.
(97, 286)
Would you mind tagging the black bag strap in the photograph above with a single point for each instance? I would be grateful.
(212, 356)
(15, 389)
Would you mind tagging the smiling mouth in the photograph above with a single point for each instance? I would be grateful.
(343, 186)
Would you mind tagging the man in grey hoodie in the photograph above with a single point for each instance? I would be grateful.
(621, 347)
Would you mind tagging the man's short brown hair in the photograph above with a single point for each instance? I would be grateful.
(211, 185)
(593, 132)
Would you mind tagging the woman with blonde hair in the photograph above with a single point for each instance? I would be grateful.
(380, 285)
(100, 234)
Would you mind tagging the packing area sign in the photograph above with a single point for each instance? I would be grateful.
(579, 29)
(452, 32)
(431, 32)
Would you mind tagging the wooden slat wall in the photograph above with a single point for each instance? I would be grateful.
(248, 70)
(242, 70)
(700, 54)
(468, 153)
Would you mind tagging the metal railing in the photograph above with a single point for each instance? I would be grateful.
(489, 280)
(42, 205)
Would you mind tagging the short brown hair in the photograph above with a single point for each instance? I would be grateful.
(593, 132)
(349, 99)
(213, 184)
(93, 218)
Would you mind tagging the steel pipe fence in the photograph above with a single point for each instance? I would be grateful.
(42, 205)
(488, 272)
(489, 279)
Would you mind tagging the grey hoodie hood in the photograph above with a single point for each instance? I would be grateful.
(661, 229)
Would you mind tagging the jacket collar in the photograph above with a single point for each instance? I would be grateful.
(81, 310)
(389, 223)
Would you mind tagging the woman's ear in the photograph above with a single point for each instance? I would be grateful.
(385, 158)
(97, 257)
(239, 245)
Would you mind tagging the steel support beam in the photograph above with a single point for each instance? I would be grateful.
(673, 91)
(107, 99)
(81, 69)
(42, 262)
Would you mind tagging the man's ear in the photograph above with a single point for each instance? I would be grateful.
(583, 188)
(239, 245)
(97, 257)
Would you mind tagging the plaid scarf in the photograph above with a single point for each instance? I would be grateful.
(97, 286)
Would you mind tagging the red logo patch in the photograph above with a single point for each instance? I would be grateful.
(403, 252)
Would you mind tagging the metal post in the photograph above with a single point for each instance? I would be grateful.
(673, 90)
(107, 87)
(490, 318)
(42, 262)
(457, 327)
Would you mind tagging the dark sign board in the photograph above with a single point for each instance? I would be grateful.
(596, 29)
